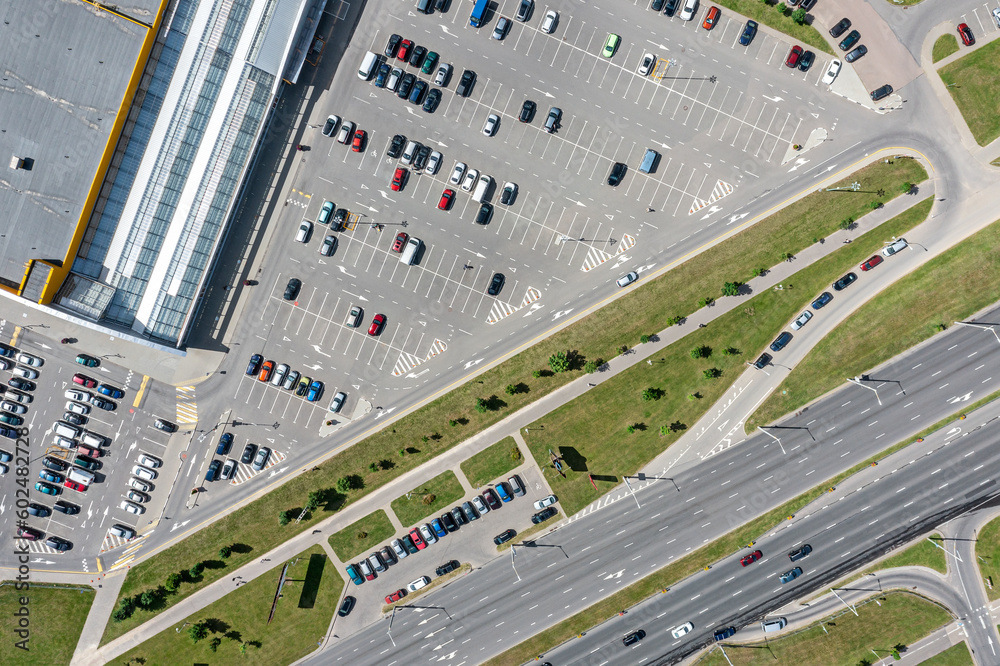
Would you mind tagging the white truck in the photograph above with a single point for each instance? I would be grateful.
(80, 476)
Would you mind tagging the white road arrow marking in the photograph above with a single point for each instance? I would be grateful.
(344, 271)
(960, 398)
(414, 375)
(275, 473)
(614, 575)
(179, 525)
(315, 367)
(319, 351)
(534, 308)
(773, 99)
(544, 92)
(737, 218)
(472, 363)
(578, 203)
(561, 313)
(39, 560)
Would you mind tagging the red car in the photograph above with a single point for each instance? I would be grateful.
(359, 141)
(84, 380)
(872, 263)
(711, 18)
(446, 198)
(398, 179)
(793, 56)
(417, 541)
(966, 34)
(73, 485)
(265, 371)
(395, 596)
(378, 321)
(404, 49)
(400, 242)
(752, 557)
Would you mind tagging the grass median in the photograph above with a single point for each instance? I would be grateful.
(428, 499)
(944, 47)
(778, 16)
(361, 535)
(237, 629)
(988, 552)
(492, 462)
(646, 408)
(54, 621)
(956, 655)
(898, 620)
(948, 288)
(974, 85)
(446, 420)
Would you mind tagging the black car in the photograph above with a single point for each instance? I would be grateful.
(496, 284)
(485, 213)
(383, 73)
(840, 28)
(823, 299)
(781, 341)
(66, 507)
(395, 149)
(213, 470)
(57, 543)
(797, 555)
(806, 61)
(491, 498)
(21, 384)
(420, 158)
(417, 94)
(225, 442)
(347, 605)
(292, 289)
(617, 173)
(504, 537)
(38, 510)
(432, 101)
(392, 46)
(749, 32)
(449, 522)
(843, 282)
(329, 126)
(468, 80)
(544, 515)
(633, 637)
(54, 464)
(469, 511)
(852, 38)
(856, 54)
(508, 194)
(405, 86)
(879, 93)
(75, 419)
(808, 4)
(254, 366)
(527, 111)
(657, 5)
(417, 56)
(248, 452)
(763, 361)
(724, 633)
(671, 7)
(447, 567)
(459, 516)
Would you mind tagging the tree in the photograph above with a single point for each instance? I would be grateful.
(705, 302)
(703, 351)
(731, 351)
(757, 272)
(664, 430)
(225, 552)
(313, 500)
(643, 339)
(385, 464)
(652, 393)
(906, 188)
(147, 599)
(590, 367)
(214, 645)
(372, 467)
(196, 569)
(481, 405)
(429, 498)
(197, 631)
(731, 288)
(799, 16)
(630, 429)
(847, 223)
(787, 256)
(559, 362)
(673, 321)
(343, 484)
(536, 373)
(510, 389)
(284, 518)
(677, 426)
(173, 582)
(713, 373)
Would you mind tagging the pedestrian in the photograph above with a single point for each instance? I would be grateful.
(649, 210)
(589, 384)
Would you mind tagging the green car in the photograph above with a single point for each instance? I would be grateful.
(611, 45)
(88, 361)
(303, 386)
(10, 419)
(46, 488)
(429, 61)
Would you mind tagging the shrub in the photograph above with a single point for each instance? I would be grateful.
(705, 302)
(536, 374)
(225, 552)
(590, 367)
(173, 582)
(713, 373)
(731, 351)
(643, 339)
(787, 256)
(906, 188)
(731, 288)
(361, 536)
(876, 205)
(343, 484)
(630, 429)
(559, 362)
(373, 467)
(664, 430)
(510, 389)
(515, 453)
(847, 223)
(429, 498)
(757, 272)
(481, 406)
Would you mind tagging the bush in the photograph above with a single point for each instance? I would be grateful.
(343, 484)
(673, 321)
(173, 582)
(481, 406)
(630, 429)
(787, 256)
(643, 339)
(847, 223)
(361, 536)
(196, 570)
(705, 302)
(731, 351)
(225, 552)
(536, 374)
(429, 498)
(510, 389)
(731, 288)
(713, 373)
(559, 362)
(757, 272)
(876, 205)
(664, 430)
(590, 367)
(373, 467)
(515, 453)
(284, 518)
(906, 188)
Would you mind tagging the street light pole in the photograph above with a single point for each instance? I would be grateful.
(632, 491)
(764, 430)
(512, 547)
(863, 378)
(984, 327)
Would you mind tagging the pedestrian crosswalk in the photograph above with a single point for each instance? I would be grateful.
(408, 362)
(597, 256)
(501, 310)
(187, 406)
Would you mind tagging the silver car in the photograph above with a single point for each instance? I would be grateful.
(28, 359)
(444, 71)
(457, 173)
(802, 320)
(338, 401)
(470, 179)
(480, 505)
(328, 246)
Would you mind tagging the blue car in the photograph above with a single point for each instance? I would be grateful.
(46, 488)
(823, 299)
(502, 491)
(254, 366)
(111, 391)
(225, 442)
(780, 341)
(46, 475)
(352, 571)
(749, 32)
(315, 389)
(383, 74)
(438, 528)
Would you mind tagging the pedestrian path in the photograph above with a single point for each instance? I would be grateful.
(187, 405)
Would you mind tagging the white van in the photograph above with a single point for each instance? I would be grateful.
(409, 254)
(368, 65)
(690, 7)
(63, 442)
(481, 188)
(66, 430)
(90, 439)
(649, 161)
(770, 626)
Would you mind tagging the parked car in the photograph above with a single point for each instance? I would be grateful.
(496, 284)
(966, 34)
(346, 606)
(841, 27)
(822, 300)
(856, 53)
(781, 341)
(749, 32)
(260, 460)
(831, 72)
(844, 282)
(544, 515)
(447, 567)
(801, 320)
(852, 38)
(793, 57)
(545, 501)
(872, 262)
(504, 537)
(881, 92)
(895, 247)
(338, 401)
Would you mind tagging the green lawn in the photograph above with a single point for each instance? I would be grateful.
(944, 47)
(974, 84)
(605, 449)
(988, 550)
(448, 418)
(946, 289)
(774, 16)
(300, 621)
(902, 619)
(428, 499)
(921, 554)
(348, 542)
(492, 463)
(956, 655)
(56, 615)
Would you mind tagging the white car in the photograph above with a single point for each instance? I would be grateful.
(122, 531)
(397, 547)
(64, 442)
(137, 497)
(132, 508)
(346, 132)
(545, 501)
(681, 630)
(24, 373)
(143, 473)
(480, 505)
(77, 408)
(418, 583)
(13, 407)
(490, 128)
(457, 173)
(802, 320)
(470, 179)
(394, 76)
(149, 461)
(79, 396)
(646, 64)
(831, 72)
(228, 469)
(427, 534)
(549, 22)
(279, 374)
(20, 397)
(890, 250)
(338, 401)
(627, 279)
(433, 163)
(996, 16)
(28, 359)
(139, 484)
(444, 71)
